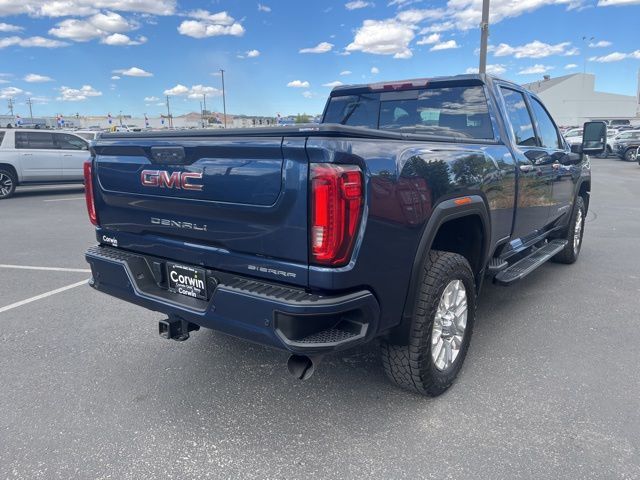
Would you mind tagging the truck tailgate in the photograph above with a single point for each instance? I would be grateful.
(236, 195)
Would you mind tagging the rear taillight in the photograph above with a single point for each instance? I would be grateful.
(336, 208)
(88, 192)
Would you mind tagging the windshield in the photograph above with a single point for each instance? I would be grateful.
(443, 111)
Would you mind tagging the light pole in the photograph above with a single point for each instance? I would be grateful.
(585, 43)
(30, 109)
(484, 36)
(169, 113)
(224, 101)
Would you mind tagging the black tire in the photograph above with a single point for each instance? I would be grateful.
(411, 366)
(569, 254)
(8, 183)
(630, 155)
(607, 152)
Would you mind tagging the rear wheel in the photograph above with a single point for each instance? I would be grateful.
(440, 329)
(631, 155)
(575, 232)
(8, 183)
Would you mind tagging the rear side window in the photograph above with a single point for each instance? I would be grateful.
(546, 128)
(70, 142)
(519, 117)
(1, 137)
(460, 112)
(35, 140)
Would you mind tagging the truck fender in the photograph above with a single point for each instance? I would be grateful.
(443, 212)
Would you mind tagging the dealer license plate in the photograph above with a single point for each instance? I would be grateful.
(186, 280)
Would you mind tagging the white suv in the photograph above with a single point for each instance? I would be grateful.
(39, 156)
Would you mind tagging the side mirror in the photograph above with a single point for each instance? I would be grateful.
(594, 138)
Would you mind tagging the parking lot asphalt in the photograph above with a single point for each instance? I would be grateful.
(550, 387)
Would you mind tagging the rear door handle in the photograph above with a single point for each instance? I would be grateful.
(67, 155)
(27, 154)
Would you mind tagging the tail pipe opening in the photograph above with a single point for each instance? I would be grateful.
(302, 367)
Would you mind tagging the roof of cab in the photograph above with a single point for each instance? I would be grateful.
(416, 83)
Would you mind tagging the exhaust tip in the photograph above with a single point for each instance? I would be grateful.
(301, 366)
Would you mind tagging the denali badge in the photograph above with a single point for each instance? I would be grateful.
(165, 222)
(177, 180)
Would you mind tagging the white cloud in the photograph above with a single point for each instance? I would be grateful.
(600, 44)
(448, 45)
(383, 37)
(68, 94)
(322, 47)
(31, 42)
(133, 72)
(615, 3)
(307, 94)
(263, 8)
(416, 16)
(375, 70)
(112, 22)
(570, 66)
(535, 49)
(615, 57)
(115, 77)
(253, 53)
(535, 69)
(356, 4)
(492, 69)
(207, 24)
(151, 99)
(346, 72)
(178, 90)
(298, 84)
(65, 8)
(77, 30)
(10, 92)
(6, 27)
(35, 78)
(196, 91)
(430, 40)
(121, 40)
(337, 83)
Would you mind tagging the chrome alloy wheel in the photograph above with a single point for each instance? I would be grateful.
(577, 232)
(449, 325)
(5, 185)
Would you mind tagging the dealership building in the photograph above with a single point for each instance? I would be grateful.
(573, 100)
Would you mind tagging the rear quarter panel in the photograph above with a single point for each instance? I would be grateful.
(404, 182)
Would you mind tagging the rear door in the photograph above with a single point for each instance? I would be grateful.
(74, 152)
(39, 156)
(221, 194)
(535, 171)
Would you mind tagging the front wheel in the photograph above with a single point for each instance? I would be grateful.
(8, 184)
(440, 329)
(631, 155)
(569, 254)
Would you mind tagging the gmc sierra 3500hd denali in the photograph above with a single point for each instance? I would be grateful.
(380, 223)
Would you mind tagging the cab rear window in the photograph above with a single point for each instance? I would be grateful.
(459, 111)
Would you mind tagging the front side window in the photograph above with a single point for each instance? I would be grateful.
(35, 140)
(546, 128)
(519, 117)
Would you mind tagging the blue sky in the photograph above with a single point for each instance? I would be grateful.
(283, 56)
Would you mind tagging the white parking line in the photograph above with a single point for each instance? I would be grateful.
(49, 269)
(63, 199)
(40, 297)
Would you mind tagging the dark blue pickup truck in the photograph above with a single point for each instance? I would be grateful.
(382, 222)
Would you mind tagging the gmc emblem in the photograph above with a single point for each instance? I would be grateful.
(177, 180)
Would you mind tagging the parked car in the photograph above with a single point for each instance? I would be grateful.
(381, 222)
(39, 156)
(625, 144)
(573, 136)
